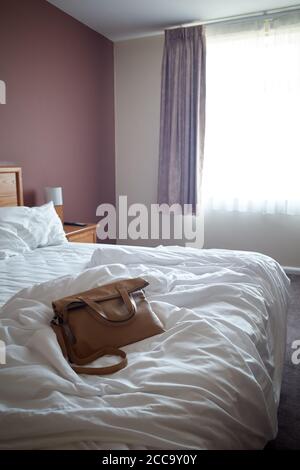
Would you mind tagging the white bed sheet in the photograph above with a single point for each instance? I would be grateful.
(211, 381)
(40, 265)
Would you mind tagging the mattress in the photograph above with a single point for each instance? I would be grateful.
(210, 381)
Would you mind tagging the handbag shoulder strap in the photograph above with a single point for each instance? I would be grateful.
(103, 352)
(104, 370)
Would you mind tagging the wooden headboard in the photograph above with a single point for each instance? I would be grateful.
(11, 186)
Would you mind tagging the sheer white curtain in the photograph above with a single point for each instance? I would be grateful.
(252, 148)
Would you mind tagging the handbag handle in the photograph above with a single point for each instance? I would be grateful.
(127, 299)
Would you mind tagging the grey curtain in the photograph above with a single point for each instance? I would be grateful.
(182, 119)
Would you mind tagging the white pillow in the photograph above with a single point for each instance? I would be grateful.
(47, 226)
(34, 226)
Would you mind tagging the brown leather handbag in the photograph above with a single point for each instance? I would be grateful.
(99, 321)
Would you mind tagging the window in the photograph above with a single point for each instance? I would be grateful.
(252, 148)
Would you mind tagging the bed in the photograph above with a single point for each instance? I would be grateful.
(210, 381)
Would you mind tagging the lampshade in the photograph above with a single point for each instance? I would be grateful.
(55, 195)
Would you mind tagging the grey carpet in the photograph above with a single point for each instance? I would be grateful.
(289, 409)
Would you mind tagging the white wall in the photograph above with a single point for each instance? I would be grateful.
(137, 110)
(137, 98)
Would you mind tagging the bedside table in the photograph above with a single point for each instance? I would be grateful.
(77, 234)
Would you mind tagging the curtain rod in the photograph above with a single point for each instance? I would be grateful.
(239, 17)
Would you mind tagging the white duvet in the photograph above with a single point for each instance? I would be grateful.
(210, 381)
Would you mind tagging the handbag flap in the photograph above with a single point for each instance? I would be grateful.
(99, 294)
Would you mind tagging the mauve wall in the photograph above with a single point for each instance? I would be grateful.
(58, 123)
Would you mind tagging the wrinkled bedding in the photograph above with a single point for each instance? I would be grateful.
(210, 381)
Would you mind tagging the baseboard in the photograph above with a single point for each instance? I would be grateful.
(291, 270)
